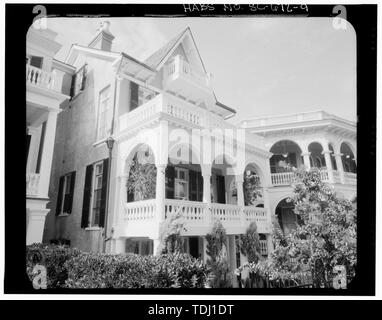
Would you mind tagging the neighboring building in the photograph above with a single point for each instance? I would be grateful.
(47, 87)
(314, 139)
(162, 110)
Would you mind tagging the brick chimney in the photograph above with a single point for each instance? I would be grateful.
(103, 39)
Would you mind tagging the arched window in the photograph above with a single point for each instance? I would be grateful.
(348, 160)
(317, 159)
(286, 154)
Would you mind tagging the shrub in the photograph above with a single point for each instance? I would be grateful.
(97, 270)
(250, 243)
(217, 261)
(71, 268)
(53, 257)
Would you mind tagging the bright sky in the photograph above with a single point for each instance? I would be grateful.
(260, 66)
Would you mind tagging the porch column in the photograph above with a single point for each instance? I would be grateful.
(119, 245)
(340, 166)
(269, 243)
(240, 191)
(205, 256)
(156, 245)
(206, 173)
(329, 166)
(47, 154)
(160, 192)
(306, 157)
(36, 214)
(232, 258)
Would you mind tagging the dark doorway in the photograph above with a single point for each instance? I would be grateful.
(193, 243)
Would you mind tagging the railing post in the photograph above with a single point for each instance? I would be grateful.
(160, 192)
(306, 157)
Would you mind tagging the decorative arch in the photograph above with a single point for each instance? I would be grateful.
(285, 215)
(286, 154)
(348, 158)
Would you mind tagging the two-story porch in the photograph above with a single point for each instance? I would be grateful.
(46, 89)
(202, 178)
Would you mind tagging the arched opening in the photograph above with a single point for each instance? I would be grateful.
(287, 219)
(184, 180)
(332, 157)
(141, 175)
(348, 159)
(253, 192)
(286, 154)
(317, 159)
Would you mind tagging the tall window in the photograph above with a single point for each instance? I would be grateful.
(104, 114)
(65, 194)
(97, 192)
(181, 183)
(35, 61)
(94, 201)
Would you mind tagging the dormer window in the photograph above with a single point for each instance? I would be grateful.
(34, 61)
(78, 81)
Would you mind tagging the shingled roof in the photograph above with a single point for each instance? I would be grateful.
(157, 57)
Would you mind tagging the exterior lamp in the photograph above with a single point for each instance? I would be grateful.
(110, 143)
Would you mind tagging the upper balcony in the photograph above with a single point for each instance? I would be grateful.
(141, 218)
(183, 79)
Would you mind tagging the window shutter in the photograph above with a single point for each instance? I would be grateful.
(133, 95)
(103, 193)
(73, 85)
(87, 196)
(170, 182)
(68, 202)
(83, 78)
(59, 197)
(221, 188)
(193, 186)
(199, 180)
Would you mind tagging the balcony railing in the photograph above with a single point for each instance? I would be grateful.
(39, 77)
(180, 67)
(350, 178)
(197, 216)
(32, 183)
(286, 178)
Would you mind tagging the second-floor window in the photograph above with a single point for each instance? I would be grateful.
(78, 81)
(34, 61)
(104, 114)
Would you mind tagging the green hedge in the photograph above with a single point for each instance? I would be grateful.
(70, 268)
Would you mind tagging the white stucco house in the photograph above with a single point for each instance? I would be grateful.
(164, 110)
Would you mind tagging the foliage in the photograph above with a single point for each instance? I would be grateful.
(250, 243)
(53, 258)
(142, 176)
(324, 238)
(170, 239)
(251, 188)
(217, 257)
(75, 269)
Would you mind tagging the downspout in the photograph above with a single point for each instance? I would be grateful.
(110, 142)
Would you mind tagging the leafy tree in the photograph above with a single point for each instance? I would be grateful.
(251, 187)
(170, 238)
(217, 258)
(325, 236)
(142, 176)
(250, 243)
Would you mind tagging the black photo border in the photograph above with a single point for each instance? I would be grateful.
(19, 18)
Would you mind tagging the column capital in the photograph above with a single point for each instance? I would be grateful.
(326, 152)
(306, 154)
(338, 154)
(239, 177)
